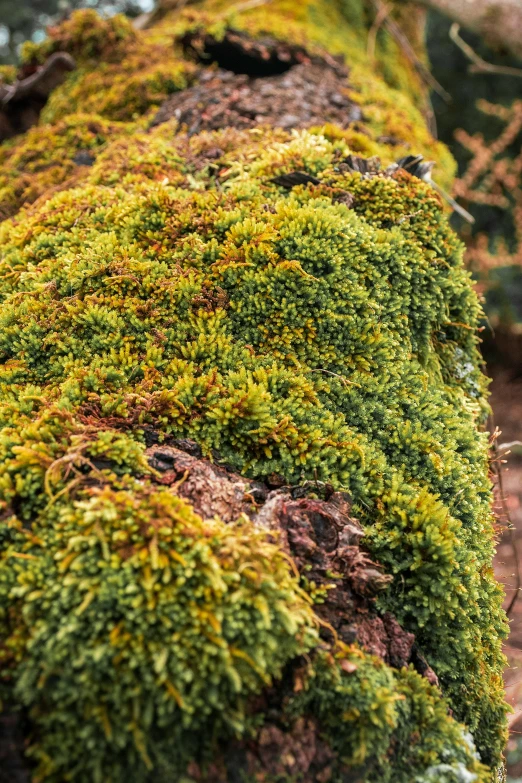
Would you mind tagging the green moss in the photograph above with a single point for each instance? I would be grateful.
(199, 311)
(171, 624)
(120, 74)
(172, 284)
(86, 36)
(387, 726)
(44, 159)
(7, 74)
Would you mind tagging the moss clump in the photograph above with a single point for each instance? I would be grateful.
(120, 72)
(7, 74)
(145, 629)
(387, 726)
(172, 285)
(86, 36)
(47, 157)
(292, 334)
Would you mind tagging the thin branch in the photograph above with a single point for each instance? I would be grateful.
(380, 16)
(42, 82)
(453, 204)
(400, 37)
(497, 22)
(509, 445)
(510, 526)
(480, 65)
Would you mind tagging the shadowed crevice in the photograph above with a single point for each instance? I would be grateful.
(241, 54)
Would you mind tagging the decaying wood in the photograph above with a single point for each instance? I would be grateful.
(319, 534)
(22, 102)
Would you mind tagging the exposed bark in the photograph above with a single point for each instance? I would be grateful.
(22, 102)
(311, 93)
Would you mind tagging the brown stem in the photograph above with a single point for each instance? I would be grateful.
(479, 65)
(402, 40)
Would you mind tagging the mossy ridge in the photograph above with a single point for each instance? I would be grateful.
(193, 618)
(156, 286)
(388, 89)
(263, 324)
(123, 74)
(45, 159)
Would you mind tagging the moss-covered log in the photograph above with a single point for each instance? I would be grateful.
(246, 526)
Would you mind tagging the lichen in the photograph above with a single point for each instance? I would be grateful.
(323, 333)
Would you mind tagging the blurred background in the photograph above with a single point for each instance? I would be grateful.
(477, 112)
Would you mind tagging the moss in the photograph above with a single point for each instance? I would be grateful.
(86, 36)
(389, 89)
(46, 158)
(7, 74)
(121, 73)
(388, 727)
(116, 286)
(189, 617)
(173, 285)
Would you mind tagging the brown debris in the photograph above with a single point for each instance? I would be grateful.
(298, 753)
(289, 752)
(366, 166)
(22, 102)
(294, 178)
(308, 94)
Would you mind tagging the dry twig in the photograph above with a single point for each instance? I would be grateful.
(498, 462)
(397, 33)
(380, 16)
(479, 65)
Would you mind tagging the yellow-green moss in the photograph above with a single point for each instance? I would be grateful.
(7, 74)
(284, 331)
(120, 74)
(100, 286)
(388, 89)
(44, 159)
(397, 718)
